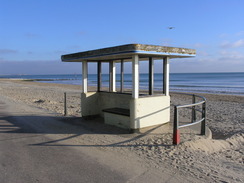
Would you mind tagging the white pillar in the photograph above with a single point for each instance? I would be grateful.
(135, 76)
(84, 76)
(113, 77)
(166, 76)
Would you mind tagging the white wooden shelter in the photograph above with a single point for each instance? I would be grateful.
(131, 111)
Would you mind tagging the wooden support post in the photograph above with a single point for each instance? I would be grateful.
(99, 76)
(65, 104)
(110, 76)
(81, 105)
(151, 74)
(122, 76)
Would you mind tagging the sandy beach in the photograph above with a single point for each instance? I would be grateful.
(217, 159)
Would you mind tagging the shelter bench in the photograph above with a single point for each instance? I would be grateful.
(120, 111)
(117, 116)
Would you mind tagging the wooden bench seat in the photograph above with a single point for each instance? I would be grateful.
(119, 111)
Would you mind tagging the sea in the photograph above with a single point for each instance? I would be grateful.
(217, 83)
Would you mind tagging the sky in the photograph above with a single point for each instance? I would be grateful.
(34, 34)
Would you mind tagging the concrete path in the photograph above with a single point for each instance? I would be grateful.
(23, 127)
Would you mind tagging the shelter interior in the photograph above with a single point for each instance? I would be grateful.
(130, 107)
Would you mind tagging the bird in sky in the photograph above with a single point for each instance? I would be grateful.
(171, 27)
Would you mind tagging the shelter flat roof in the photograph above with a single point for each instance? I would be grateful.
(126, 52)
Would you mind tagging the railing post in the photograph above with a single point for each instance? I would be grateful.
(203, 124)
(65, 107)
(193, 119)
(176, 131)
(81, 104)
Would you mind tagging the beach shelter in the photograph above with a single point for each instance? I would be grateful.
(131, 110)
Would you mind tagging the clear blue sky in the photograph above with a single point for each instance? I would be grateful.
(34, 34)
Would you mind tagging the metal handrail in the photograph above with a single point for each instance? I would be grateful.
(176, 132)
(190, 124)
(190, 105)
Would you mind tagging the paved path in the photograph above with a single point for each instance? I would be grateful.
(22, 161)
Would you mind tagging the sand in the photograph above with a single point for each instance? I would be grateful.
(209, 160)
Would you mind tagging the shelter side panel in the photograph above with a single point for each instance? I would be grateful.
(150, 111)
